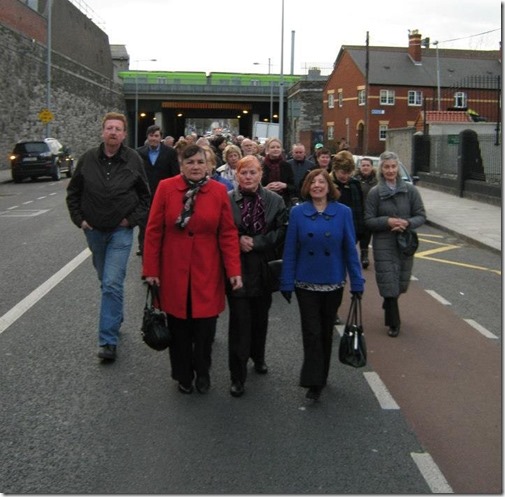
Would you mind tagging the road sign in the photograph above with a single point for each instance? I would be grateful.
(378, 111)
(46, 116)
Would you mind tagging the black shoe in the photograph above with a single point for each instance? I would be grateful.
(260, 368)
(139, 252)
(337, 320)
(394, 331)
(202, 384)
(364, 259)
(107, 352)
(237, 389)
(313, 393)
(185, 389)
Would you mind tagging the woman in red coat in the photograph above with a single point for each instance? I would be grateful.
(191, 243)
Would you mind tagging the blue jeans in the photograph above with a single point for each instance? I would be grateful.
(111, 250)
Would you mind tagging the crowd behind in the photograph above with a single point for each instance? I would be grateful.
(214, 214)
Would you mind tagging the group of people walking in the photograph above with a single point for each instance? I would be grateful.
(203, 243)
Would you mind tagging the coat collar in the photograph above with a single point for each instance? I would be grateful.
(386, 192)
(309, 210)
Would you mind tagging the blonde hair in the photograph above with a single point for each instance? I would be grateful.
(231, 149)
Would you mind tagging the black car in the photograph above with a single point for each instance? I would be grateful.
(47, 157)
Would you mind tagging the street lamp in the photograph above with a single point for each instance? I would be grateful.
(137, 100)
(271, 88)
(438, 76)
(281, 81)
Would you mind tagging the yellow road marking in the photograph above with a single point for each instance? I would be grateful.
(445, 248)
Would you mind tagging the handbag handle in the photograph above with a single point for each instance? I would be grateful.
(354, 316)
(154, 293)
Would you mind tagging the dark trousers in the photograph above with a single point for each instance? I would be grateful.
(364, 240)
(391, 311)
(317, 314)
(191, 349)
(247, 333)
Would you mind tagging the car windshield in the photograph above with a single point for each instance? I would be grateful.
(31, 147)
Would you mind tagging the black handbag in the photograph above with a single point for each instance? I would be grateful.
(155, 331)
(408, 242)
(352, 347)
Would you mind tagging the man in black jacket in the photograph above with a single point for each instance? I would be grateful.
(107, 197)
(160, 162)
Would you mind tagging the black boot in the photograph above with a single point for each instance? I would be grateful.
(364, 258)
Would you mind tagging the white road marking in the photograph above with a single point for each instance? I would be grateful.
(41, 198)
(24, 305)
(431, 473)
(23, 213)
(438, 297)
(13, 207)
(413, 278)
(481, 329)
(385, 399)
(28, 202)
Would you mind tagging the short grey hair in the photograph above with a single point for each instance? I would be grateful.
(387, 155)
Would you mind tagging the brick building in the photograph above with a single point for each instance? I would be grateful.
(402, 82)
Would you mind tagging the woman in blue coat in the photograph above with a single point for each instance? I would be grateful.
(319, 253)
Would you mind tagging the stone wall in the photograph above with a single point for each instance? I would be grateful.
(80, 96)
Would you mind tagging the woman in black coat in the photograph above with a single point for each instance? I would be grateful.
(278, 176)
(261, 217)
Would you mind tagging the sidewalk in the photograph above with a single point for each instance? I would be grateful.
(477, 222)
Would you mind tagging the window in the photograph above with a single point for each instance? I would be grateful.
(460, 100)
(340, 98)
(415, 97)
(387, 97)
(331, 132)
(331, 101)
(361, 97)
(383, 128)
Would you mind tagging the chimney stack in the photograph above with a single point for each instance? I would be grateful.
(415, 46)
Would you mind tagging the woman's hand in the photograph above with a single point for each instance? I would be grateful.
(86, 226)
(246, 243)
(276, 186)
(398, 224)
(236, 282)
(153, 280)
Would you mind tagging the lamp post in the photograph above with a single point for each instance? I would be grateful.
(137, 101)
(270, 117)
(281, 81)
(48, 68)
(438, 76)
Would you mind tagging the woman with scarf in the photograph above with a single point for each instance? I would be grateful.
(260, 216)
(191, 243)
(277, 173)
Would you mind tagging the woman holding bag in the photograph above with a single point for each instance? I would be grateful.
(260, 216)
(319, 252)
(191, 243)
(392, 207)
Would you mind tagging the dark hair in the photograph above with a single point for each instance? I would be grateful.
(333, 193)
(152, 129)
(322, 151)
(190, 150)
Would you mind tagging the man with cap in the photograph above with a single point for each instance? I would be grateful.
(312, 157)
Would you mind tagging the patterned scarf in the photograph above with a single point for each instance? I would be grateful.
(252, 212)
(189, 201)
(274, 166)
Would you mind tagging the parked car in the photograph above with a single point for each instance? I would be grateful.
(35, 158)
(406, 176)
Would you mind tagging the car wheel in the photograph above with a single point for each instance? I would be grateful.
(56, 174)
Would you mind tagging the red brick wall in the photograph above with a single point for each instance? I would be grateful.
(21, 18)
